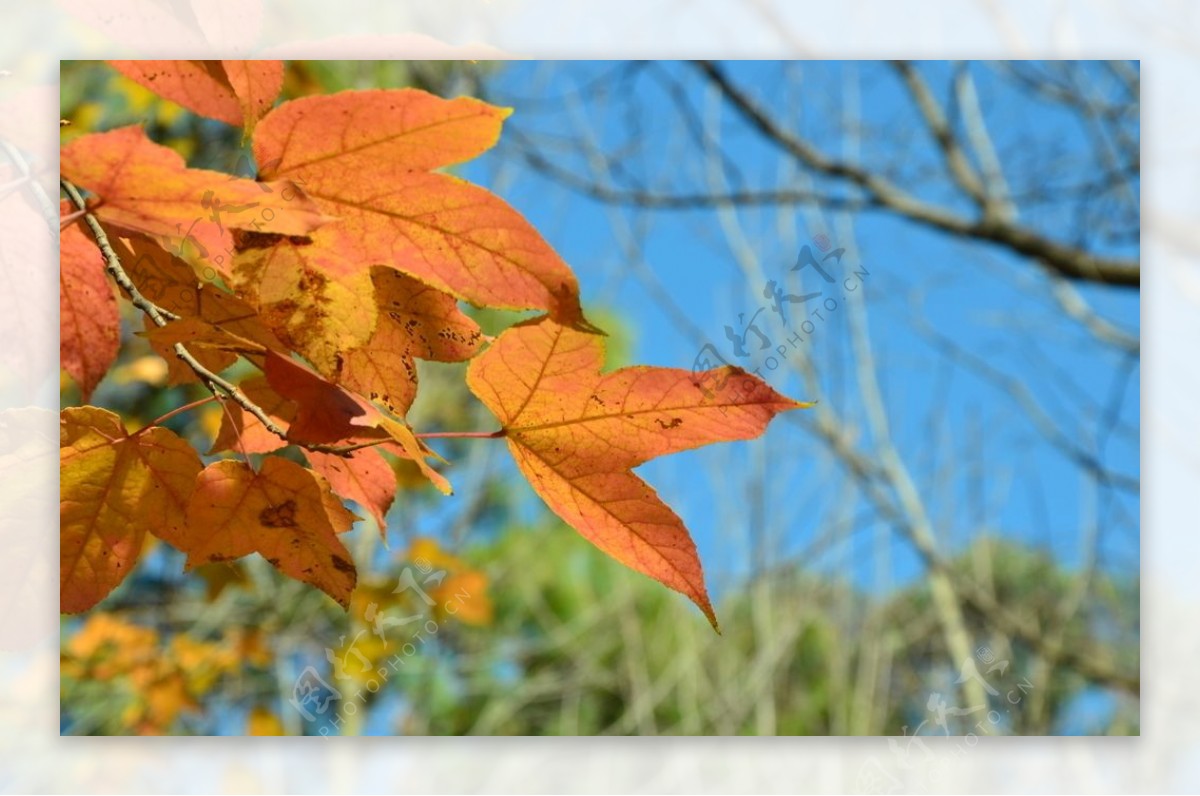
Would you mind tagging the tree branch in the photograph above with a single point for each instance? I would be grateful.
(939, 127)
(161, 317)
(1060, 258)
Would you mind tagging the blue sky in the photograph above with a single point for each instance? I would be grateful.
(992, 305)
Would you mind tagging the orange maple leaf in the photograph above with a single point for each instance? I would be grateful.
(364, 477)
(147, 188)
(89, 322)
(576, 434)
(214, 322)
(116, 488)
(367, 158)
(325, 413)
(316, 300)
(235, 92)
(415, 320)
(285, 512)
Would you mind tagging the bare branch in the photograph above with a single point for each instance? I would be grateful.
(161, 317)
(994, 184)
(939, 126)
(1063, 259)
(610, 194)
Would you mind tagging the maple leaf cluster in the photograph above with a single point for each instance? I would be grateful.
(343, 263)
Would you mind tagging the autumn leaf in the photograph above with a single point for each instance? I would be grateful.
(218, 322)
(243, 432)
(366, 158)
(89, 323)
(464, 596)
(147, 188)
(160, 276)
(414, 320)
(333, 279)
(235, 92)
(210, 346)
(364, 477)
(116, 488)
(576, 434)
(313, 298)
(173, 285)
(284, 512)
(327, 413)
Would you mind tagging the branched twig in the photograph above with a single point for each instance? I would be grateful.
(161, 317)
(176, 411)
(939, 127)
(1066, 260)
(462, 434)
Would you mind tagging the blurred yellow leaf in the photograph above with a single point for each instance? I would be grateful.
(426, 552)
(201, 662)
(210, 420)
(460, 591)
(162, 700)
(263, 722)
(464, 597)
(150, 369)
(107, 646)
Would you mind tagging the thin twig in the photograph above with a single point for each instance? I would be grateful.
(461, 435)
(176, 411)
(1069, 261)
(161, 317)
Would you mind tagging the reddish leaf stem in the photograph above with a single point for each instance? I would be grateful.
(176, 411)
(461, 434)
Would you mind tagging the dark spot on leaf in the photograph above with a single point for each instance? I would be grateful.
(281, 516)
(248, 239)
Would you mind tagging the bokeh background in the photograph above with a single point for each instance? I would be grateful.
(944, 255)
